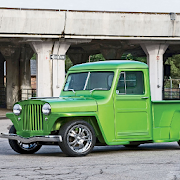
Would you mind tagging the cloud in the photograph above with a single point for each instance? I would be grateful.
(97, 5)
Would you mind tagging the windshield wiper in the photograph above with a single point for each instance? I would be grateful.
(71, 90)
(97, 89)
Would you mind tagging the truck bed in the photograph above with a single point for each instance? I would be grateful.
(166, 120)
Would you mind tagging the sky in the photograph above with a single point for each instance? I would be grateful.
(97, 5)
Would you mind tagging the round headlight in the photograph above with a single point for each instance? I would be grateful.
(17, 109)
(46, 109)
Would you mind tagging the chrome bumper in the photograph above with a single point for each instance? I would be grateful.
(49, 138)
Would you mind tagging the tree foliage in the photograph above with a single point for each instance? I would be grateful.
(97, 57)
(34, 56)
(129, 56)
(174, 63)
(68, 63)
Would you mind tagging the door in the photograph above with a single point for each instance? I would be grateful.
(132, 106)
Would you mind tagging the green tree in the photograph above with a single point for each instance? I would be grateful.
(68, 63)
(34, 56)
(129, 56)
(97, 57)
(174, 63)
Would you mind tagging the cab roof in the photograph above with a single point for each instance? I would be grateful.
(108, 65)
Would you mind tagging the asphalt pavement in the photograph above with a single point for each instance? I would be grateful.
(148, 162)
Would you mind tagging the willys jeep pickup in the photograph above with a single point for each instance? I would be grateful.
(106, 103)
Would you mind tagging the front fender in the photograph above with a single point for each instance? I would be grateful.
(14, 119)
(58, 118)
(63, 117)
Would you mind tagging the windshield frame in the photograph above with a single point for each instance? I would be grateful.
(87, 79)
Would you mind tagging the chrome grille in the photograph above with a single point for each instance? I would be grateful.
(32, 117)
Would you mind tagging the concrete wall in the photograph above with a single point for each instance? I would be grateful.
(29, 21)
(57, 23)
(120, 24)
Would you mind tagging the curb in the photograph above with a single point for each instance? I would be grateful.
(3, 117)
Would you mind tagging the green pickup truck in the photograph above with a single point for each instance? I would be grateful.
(101, 103)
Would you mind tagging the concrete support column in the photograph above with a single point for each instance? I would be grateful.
(44, 68)
(12, 55)
(60, 48)
(154, 54)
(50, 73)
(25, 72)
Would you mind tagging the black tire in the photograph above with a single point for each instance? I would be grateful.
(21, 148)
(78, 138)
(131, 145)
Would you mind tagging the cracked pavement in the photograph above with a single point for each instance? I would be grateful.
(148, 162)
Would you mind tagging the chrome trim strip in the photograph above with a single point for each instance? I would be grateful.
(49, 138)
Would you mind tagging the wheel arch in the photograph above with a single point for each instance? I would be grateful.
(92, 120)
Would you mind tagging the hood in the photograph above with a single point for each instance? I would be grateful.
(72, 104)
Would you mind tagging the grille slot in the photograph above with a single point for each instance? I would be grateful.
(32, 117)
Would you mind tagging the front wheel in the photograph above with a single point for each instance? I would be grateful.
(78, 138)
(20, 147)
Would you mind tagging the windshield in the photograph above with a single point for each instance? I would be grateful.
(89, 81)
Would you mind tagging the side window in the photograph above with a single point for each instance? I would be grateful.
(130, 82)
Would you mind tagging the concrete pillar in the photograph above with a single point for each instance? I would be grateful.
(60, 48)
(50, 73)
(12, 55)
(154, 54)
(111, 54)
(25, 72)
(44, 68)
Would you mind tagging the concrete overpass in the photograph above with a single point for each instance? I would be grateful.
(80, 34)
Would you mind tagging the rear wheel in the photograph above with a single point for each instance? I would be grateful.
(20, 147)
(78, 138)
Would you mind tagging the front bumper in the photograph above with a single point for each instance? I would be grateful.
(49, 138)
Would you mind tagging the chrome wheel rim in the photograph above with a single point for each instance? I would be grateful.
(27, 147)
(79, 138)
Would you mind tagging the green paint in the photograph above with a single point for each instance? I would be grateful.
(120, 112)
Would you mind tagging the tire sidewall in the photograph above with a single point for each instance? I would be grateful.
(64, 131)
(15, 146)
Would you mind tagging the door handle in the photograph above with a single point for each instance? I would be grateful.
(144, 97)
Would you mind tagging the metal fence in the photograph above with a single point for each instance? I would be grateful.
(169, 94)
(25, 94)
